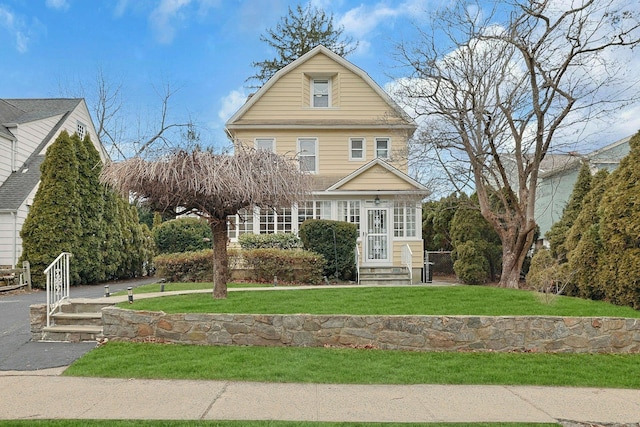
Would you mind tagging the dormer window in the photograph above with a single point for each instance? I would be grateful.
(81, 130)
(320, 93)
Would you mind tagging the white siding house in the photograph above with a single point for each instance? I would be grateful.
(27, 128)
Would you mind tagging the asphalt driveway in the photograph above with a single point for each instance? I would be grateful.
(19, 353)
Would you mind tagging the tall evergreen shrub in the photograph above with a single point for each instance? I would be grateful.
(335, 241)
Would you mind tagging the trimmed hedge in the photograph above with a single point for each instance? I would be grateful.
(182, 235)
(317, 235)
(269, 241)
(296, 266)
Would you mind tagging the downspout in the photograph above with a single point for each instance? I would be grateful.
(15, 238)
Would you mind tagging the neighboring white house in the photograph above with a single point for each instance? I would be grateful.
(27, 128)
(558, 175)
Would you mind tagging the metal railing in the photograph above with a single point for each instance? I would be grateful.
(357, 255)
(57, 284)
(407, 260)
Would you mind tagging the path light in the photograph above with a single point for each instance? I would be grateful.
(130, 293)
(106, 291)
(162, 287)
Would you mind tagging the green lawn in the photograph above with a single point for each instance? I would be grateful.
(179, 286)
(416, 300)
(356, 366)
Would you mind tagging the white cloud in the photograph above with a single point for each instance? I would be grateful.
(58, 4)
(16, 27)
(231, 103)
(164, 17)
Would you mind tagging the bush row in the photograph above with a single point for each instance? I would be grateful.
(292, 266)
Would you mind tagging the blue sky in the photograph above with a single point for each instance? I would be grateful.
(202, 48)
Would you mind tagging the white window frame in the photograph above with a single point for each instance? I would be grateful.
(315, 154)
(81, 129)
(259, 142)
(388, 149)
(315, 95)
(405, 220)
(363, 149)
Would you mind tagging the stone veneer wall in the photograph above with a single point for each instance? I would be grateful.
(421, 333)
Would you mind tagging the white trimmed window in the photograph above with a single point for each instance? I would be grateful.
(240, 224)
(383, 148)
(356, 149)
(349, 211)
(320, 89)
(81, 130)
(266, 144)
(307, 154)
(404, 219)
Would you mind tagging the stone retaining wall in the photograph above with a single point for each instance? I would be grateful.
(421, 333)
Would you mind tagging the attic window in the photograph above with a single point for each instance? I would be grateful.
(81, 130)
(320, 93)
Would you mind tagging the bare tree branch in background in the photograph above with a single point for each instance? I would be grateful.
(505, 95)
(213, 186)
(123, 132)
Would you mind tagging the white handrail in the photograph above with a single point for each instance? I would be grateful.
(57, 284)
(357, 255)
(407, 260)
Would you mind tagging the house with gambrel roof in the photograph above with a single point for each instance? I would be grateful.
(27, 128)
(352, 138)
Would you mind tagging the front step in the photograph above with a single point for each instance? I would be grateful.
(384, 276)
(71, 333)
(77, 321)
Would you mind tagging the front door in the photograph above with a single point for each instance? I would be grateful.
(377, 236)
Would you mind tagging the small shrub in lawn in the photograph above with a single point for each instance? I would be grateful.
(269, 241)
(196, 266)
(297, 266)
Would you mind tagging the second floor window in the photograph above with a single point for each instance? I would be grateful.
(320, 93)
(356, 149)
(266, 144)
(382, 148)
(81, 130)
(307, 153)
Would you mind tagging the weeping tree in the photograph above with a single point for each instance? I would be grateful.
(213, 186)
(495, 91)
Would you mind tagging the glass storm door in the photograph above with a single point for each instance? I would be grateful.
(377, 238)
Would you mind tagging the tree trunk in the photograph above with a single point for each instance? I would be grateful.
(220, 259)
(514, 252)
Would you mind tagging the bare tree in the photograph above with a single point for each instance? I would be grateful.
(213, 186)
(502, 96)
(125, 133)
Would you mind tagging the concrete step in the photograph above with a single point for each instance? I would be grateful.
(94, 319)
(384, 281)
(84, 307)
(71, 333)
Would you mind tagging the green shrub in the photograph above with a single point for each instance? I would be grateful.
(250, 241)
(196, 266)
(470, 265)
(335, 241)
(182, 235)
(297, 266)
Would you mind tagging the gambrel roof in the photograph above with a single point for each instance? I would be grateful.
(402, 120)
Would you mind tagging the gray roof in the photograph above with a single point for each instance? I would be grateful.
(15, 190)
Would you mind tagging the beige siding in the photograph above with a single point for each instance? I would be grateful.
(377, 178)
(289, 98)
(416, 248)
(333, 146)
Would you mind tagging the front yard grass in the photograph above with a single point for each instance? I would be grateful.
(408, 300)
(355, 366)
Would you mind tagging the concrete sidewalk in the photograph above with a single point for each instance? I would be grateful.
(46, 395)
